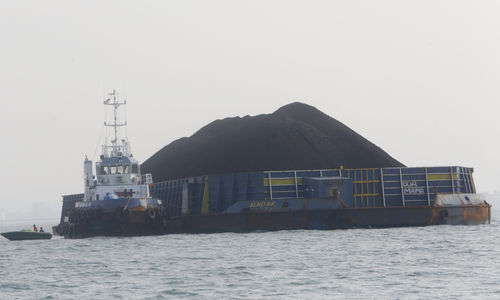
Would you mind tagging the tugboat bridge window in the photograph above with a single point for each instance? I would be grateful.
(134, 168)
(119, 169)
(113, 170)
(127, 169)
(104, 170)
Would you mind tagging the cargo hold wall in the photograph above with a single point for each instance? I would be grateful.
(371, 187)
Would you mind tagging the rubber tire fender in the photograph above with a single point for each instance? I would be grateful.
(151, 213)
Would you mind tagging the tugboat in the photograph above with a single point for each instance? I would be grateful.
(116, 201)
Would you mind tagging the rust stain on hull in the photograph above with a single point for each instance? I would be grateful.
(461, 215)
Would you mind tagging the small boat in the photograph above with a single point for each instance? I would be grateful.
(27, 235)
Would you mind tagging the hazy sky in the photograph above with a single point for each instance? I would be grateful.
(418, 78)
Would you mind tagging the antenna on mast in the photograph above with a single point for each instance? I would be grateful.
(116, 148)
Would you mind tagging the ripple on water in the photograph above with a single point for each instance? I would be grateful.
(410, 263)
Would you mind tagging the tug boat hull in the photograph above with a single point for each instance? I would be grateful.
(107, 222)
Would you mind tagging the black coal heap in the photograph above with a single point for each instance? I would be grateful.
(295, 137)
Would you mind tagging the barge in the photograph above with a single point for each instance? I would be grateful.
(120, 201)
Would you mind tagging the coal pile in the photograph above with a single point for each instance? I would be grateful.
(295, 137)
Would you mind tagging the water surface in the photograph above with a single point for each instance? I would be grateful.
(411, 263)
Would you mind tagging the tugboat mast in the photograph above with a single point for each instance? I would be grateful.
(116, 149)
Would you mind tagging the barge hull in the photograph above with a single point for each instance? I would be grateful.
(330, 219)
(287, 220)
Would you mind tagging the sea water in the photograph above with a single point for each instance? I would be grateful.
(449, 262)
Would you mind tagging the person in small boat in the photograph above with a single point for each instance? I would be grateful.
(41, 229)
(34, 228)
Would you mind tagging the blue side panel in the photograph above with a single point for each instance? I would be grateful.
(255, 186)
(170, 192)
(418, 177)
(281, 188)
(214, 183)
(410, 171)
(368, 187)
(438, 170)
(227, 189)
(240, 187)
(284, 194)
(309, 173)
(331, 173)
(393, 200)
(391, 171)
(196, 195)
(419, 186)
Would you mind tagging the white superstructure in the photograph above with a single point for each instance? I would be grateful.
(118, 174)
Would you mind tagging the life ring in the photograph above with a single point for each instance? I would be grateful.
(444, 215)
